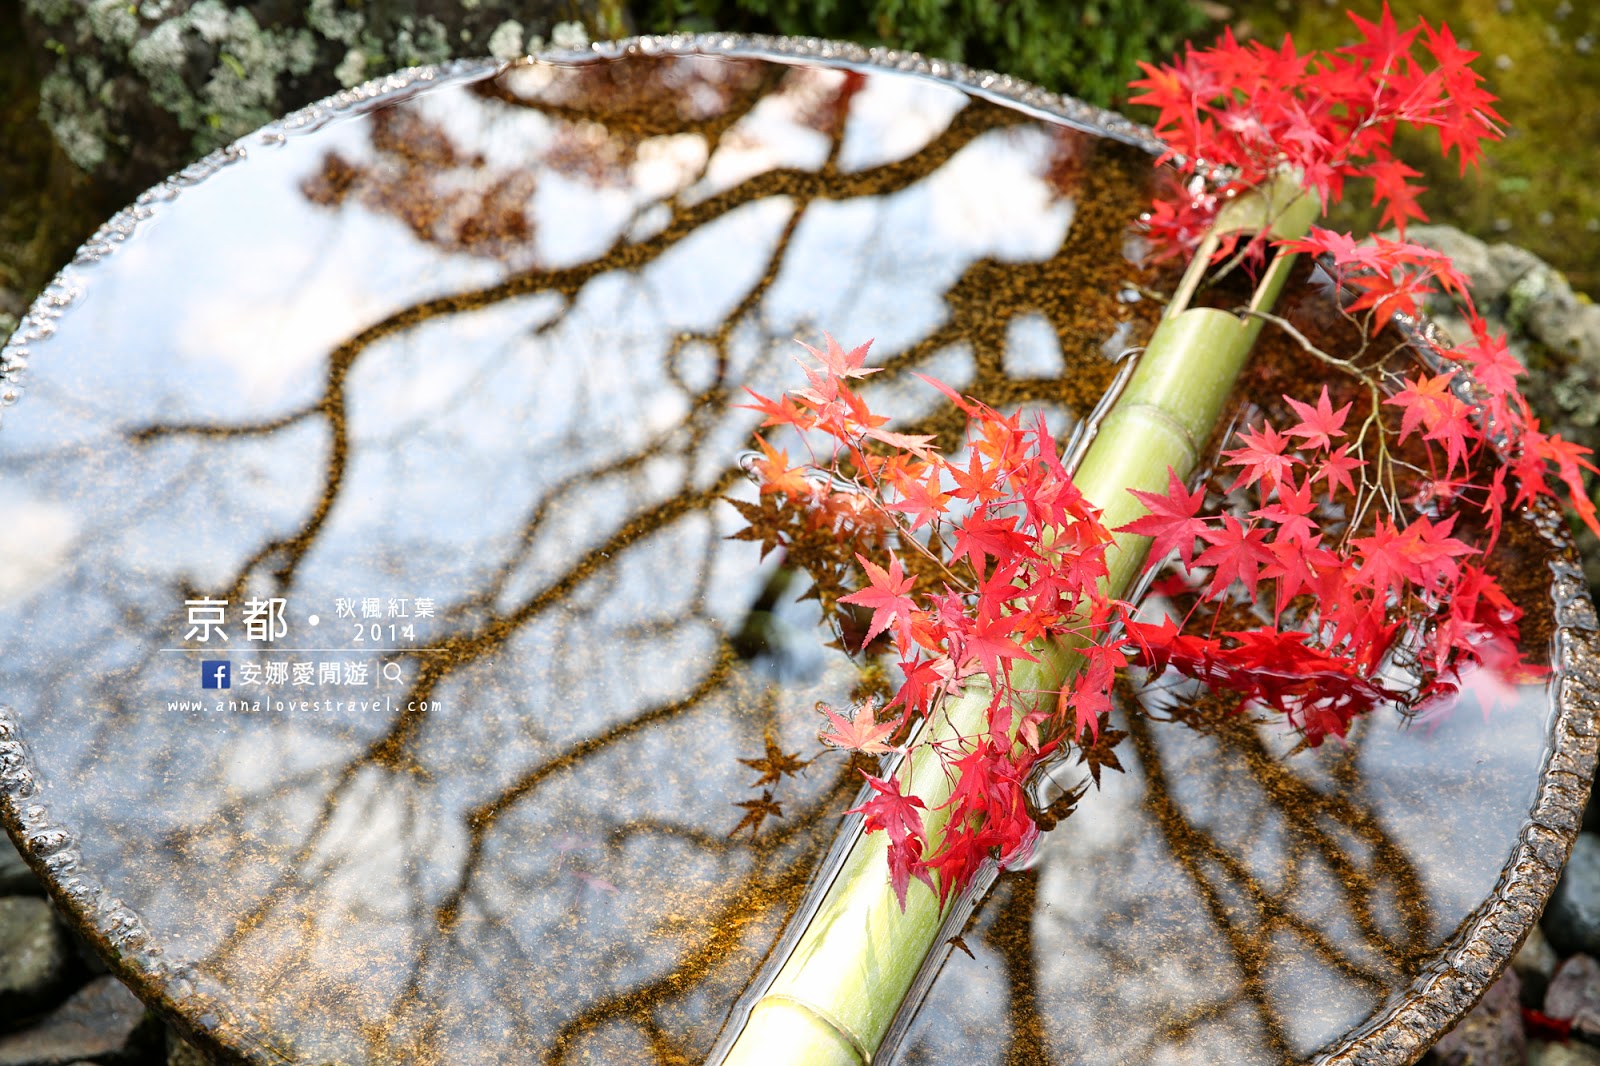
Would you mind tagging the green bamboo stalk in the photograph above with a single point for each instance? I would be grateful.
(837, 993)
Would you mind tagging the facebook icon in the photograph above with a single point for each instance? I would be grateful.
(214, 674)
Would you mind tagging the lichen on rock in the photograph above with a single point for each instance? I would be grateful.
(134, 89)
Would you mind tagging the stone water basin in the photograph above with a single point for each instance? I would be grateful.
(423, 397)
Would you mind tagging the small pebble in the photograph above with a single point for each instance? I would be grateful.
(16, 879)
(1569, 1054)
(1574, 994)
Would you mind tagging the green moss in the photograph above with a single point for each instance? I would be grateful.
(506, 40)
(352, 69)
(241, 89)
(432, 40)
(1089, 49)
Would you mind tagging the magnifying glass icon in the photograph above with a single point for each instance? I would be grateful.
(391, 671)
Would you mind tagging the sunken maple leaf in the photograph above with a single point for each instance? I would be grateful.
(775, 763)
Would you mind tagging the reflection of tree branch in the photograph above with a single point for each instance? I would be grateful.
(800, 184)
(1074, 291)
(481, 820)
(656, 110)
(488, 635)
(1301, 805)
(778, 889)
(295, 880)
(457, 651)
(1187, 844)
(1220, 877)
(1011, 932)
(157, 430)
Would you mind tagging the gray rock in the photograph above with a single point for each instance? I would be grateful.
(1574, 994)
(16, 879)
(1535, 964)
(1488, 273)
(133, 90)
(1492, 1034)
(35, 958)
(1556, 317)
(1571, 1054)
(102, 1021)
(1574, 987)
(1548, 325)
(1572, 920)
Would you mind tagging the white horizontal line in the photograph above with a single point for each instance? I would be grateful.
(243, 647)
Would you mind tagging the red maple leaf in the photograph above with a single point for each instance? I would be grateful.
(978, 482)
(838, 363)
(777, 475)
(779, 412)
(1424, 402)
(1382, 42)
(888, 596)
(921, 499)
(1238, 552)
(895, 813)
(1389, 184)
(1171, 521)
(983, 535)
(1291, 512)
(1335, 470)
(1262, 457)
(989, 642)
(1318, 425)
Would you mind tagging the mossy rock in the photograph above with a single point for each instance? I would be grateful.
(134, 89)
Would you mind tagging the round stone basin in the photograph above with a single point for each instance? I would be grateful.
(383, 681)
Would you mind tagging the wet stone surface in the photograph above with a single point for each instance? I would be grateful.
(455, 390)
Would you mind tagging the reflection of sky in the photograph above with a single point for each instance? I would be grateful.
(460, 431)
(497, 461)
(1112, 915)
